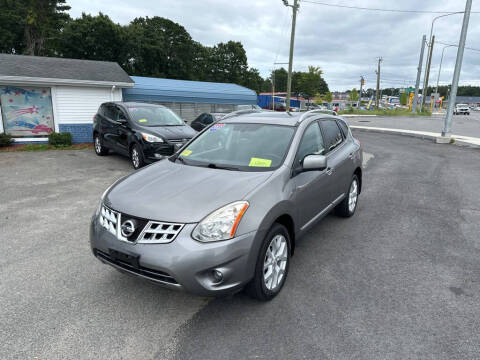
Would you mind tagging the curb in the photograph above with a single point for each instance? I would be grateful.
(459, 139)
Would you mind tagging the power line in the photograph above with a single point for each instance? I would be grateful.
(379, 9)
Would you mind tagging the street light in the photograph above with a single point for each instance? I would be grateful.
(440, 67)
(430, 52)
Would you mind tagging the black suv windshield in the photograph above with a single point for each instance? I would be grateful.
(237, 146)
(154, 116)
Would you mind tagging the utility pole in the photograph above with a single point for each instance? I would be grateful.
(427, 71)
(273, 89)
(456, 74)
(295, 7)
(359, 102)
(419, 74)
(378, 84)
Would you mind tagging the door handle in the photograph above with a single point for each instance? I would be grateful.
(329, 171)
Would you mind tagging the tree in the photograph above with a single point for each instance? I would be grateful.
(353, 95)
(159, 47)
(328, 97)
(279, 77)
(310, 83)
(228, 62)
(31, 27)
(252, 80)
(93, 38)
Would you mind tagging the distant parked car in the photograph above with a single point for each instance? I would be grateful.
(205, 119)
(144, 132)
(461, 109)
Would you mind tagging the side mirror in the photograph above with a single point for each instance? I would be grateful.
(314, 162)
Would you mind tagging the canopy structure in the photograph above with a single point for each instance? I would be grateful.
(183, 91)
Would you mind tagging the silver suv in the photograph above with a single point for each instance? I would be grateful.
(225, 211)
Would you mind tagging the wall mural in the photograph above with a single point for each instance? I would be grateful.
(26, 111)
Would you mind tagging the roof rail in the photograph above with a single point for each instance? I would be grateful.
(309, 113)
(240, 112)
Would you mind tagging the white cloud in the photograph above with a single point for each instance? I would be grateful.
(343, 42)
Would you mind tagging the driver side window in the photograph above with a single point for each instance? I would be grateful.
(311, 143)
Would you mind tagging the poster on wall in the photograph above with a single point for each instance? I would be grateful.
(26, 112)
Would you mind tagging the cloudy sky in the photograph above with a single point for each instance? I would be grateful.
(343, 42)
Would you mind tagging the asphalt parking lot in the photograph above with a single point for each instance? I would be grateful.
(466, 125)
(400, 279)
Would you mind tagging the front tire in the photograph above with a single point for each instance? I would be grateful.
(100, 149)
(271, 269)
(349, 204)
(136, 157)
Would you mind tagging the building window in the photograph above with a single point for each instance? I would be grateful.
(26, 112)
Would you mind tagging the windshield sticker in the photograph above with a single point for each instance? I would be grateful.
(258, 162)
(143, 120)
(216, 127)
(186, 152)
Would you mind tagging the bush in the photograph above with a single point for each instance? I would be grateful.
(60, 139)
(5, 139)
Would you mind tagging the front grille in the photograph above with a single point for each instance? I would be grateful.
(109, 219)
(151, 274)
(146, 232)
(159, 233)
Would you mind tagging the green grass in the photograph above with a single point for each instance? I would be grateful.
(44, 147)
(382, 112)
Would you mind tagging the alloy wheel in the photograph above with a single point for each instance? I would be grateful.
(275, 262)
(98, 145)
(353, 196)
(135, 158)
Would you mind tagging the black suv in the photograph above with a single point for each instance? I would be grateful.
(144, 132)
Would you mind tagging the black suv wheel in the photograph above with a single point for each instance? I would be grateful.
(136, 156)
(100, 150)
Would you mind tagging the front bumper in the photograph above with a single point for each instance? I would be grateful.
(156, 151)
(183, 264)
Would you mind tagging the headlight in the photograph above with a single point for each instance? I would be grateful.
(151, 138)
(97, 211)
(221, 224)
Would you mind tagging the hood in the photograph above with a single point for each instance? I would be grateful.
(173, 192)
(171, 132)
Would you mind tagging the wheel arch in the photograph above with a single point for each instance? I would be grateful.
(358, 172)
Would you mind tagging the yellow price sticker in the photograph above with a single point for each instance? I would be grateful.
(143, 120)
(186, 152)
(258, 162)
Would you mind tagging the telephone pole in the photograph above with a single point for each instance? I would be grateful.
(295, 7)
(419, 73)
(427, 71)
(377, 102)
(456, 74)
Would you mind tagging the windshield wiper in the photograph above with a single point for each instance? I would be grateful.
(215, 166)
(182, 160)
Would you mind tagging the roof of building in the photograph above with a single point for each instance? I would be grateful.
(168, 90)
(51, 70)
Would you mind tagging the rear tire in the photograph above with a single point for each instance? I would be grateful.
(349, 204)
(100, 149)
(271, 269)
(136, 157)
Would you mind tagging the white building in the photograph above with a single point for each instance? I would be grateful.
(39, 95)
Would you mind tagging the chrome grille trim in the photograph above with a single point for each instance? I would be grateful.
(109, 219)
(156, 232)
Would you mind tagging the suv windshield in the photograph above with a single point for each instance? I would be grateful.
(237, 146)
(154, 116)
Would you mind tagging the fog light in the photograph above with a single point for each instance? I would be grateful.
(158, 156)
(217, 276)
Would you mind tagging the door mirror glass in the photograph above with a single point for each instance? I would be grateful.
(314, 162)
